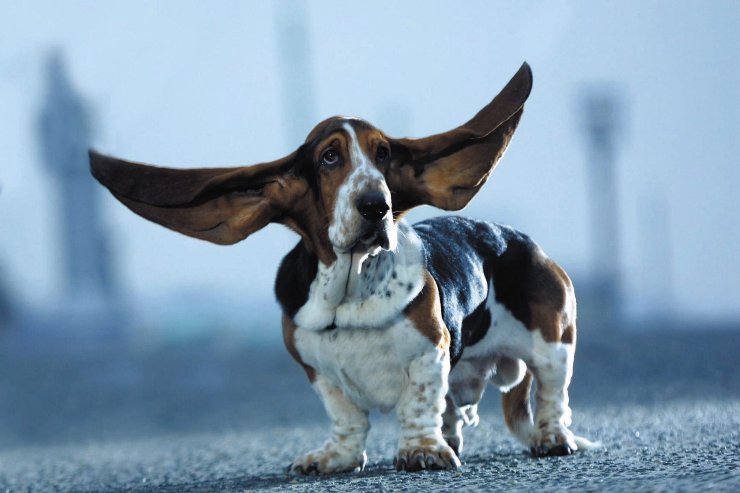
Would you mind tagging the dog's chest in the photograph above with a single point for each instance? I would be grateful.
(352, 328)
(369, 365)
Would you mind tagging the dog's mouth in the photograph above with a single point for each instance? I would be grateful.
(372, 239)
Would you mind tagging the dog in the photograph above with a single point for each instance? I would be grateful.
(382, 314)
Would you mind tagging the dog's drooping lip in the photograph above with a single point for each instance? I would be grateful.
(374, 238)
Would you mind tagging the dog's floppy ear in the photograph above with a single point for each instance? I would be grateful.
(446, 170)
(221, 205)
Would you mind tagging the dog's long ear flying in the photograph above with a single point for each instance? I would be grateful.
(446, 170)
(221, 205)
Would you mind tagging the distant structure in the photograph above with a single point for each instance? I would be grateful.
(602, 122)
(296, 72)
(6, 307)
(64, 131)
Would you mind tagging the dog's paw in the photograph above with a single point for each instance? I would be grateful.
(327, 460)
(554, 441)
(470, 415)
(438, 456)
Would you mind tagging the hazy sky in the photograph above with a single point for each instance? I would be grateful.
(199, 83)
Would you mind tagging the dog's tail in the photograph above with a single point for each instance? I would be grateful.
(518, 415)
(585, 444)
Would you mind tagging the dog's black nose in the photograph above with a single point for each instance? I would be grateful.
(372, 206)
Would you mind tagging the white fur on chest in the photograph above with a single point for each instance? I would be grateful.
(369, 365)
(369, 351)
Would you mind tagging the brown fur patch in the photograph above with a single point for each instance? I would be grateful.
(427, 442)
(569, 335)
(289, 328)
(425, 312)
(552, 304)
(547, 320)
(516, 405)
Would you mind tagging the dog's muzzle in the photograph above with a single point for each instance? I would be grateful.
(374, 208)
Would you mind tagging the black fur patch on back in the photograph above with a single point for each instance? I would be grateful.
(476, 325)
(295, 275)
(463, 255)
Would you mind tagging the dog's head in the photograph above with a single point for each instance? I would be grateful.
(343, 190)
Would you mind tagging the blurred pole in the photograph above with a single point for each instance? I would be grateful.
(64, 133)
(602, 117)
(296, 71)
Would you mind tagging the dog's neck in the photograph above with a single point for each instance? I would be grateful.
(362, 291)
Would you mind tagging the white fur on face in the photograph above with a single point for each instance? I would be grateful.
(346, 222)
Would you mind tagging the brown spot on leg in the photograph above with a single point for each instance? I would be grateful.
(569, 335)
(289, 328)
(516, 406)
(425, 313)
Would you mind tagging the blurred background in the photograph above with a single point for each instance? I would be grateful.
(625, 169)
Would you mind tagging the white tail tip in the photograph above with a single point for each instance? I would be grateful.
(586, 444)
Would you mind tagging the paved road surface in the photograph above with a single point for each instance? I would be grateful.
(225, 418)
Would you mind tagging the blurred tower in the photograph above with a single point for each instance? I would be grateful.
(296, 71)
(601, 117)
(64, 133)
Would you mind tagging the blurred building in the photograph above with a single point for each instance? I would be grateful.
(296, 71)
(87, 308)
(64, 136)
(601, 118)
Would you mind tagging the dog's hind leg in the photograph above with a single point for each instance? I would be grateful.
(467, 384)
(345, 449)
(452, 424)
(551, 365)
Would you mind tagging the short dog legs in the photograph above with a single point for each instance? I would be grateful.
(552, 365)
(421, 445)
(345, 449)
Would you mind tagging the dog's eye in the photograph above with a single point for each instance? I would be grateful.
(382, 154)
(330, 157)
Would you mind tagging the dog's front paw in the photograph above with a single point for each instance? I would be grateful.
(434, 456)
(554, 440)
(327, 460)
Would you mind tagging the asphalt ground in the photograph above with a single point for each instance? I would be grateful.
(226, 417)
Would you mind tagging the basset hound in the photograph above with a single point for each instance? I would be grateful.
(383, 314)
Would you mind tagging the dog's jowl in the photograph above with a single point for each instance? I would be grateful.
(382, 314)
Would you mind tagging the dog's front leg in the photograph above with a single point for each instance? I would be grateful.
(345, 449)
(421, 445)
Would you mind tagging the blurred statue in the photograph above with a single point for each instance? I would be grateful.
(64, 135)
